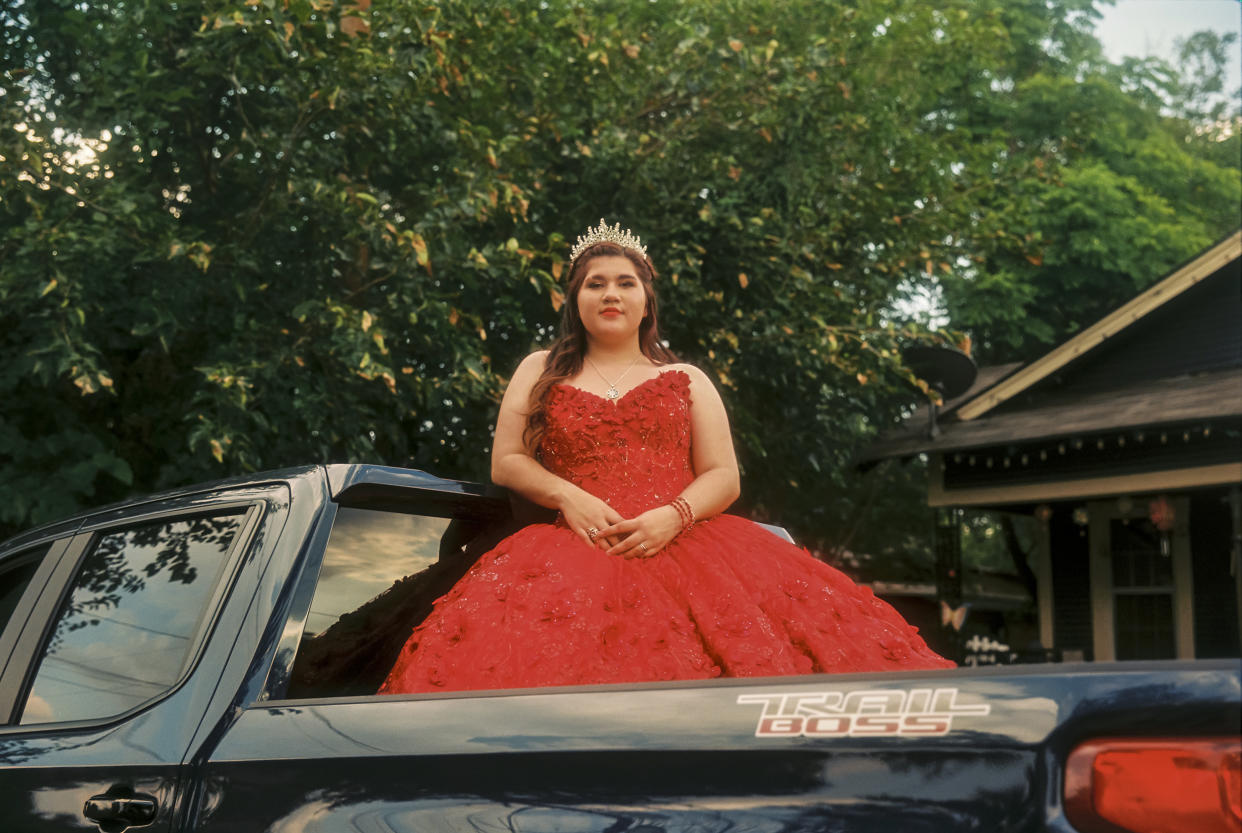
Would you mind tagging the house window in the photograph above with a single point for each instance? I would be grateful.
(1143, 591)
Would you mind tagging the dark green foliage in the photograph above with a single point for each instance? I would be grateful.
(314, 231)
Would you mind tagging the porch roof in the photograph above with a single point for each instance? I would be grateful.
(1179, 399)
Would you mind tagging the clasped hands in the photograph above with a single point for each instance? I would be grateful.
(601, 526)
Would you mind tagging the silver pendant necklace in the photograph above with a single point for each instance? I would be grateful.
(612, 392)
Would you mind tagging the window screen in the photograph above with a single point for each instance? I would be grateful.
(1143, 591)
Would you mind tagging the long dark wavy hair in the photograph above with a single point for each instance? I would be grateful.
(565, 356)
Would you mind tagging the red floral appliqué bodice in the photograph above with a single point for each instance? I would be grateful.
(634, 452)
(547, 607)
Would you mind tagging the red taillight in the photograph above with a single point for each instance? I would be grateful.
(1155, 786)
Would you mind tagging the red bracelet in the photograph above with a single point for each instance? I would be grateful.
(684, 510)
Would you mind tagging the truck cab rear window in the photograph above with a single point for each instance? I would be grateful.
(381, 572)
(131, 618)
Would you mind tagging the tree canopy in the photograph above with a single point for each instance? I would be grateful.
(1143, 168)
(242, 235)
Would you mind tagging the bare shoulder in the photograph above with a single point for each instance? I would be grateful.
(702, 389)
(532, 366)
(524, 378)
(697, 377)
(535, 360)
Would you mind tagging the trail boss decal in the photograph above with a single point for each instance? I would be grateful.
(919, 712)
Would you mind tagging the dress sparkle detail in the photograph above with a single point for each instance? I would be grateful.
(724, 598)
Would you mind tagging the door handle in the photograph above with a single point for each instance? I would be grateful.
(119, 809)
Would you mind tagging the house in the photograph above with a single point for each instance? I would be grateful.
(1124, 444)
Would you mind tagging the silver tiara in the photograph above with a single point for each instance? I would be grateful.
(603, 234)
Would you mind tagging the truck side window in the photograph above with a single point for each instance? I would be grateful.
(126, 630)
(381, 572)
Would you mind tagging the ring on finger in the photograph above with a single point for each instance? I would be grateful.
(592, 533)
(643, 547)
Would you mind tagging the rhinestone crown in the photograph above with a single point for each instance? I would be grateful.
(604, 234)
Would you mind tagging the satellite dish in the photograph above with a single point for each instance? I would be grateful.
(947, 371)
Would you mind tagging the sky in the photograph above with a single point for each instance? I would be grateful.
(1142, 28)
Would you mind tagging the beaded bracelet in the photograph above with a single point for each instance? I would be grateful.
(681, 512)
(684, 510)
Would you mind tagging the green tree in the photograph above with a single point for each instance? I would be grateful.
(1141, 172)
(240, 235)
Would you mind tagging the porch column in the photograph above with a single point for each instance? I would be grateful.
(1100, 570)
(1043, 585)
(1235, 551)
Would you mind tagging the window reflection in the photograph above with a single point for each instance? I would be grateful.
(368, 551)
(381, 573)
(127, 629)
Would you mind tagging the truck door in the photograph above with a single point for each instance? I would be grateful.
(99, 692)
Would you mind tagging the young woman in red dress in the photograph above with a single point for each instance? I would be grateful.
(640, 578)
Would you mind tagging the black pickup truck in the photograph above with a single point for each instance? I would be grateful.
(206, 660)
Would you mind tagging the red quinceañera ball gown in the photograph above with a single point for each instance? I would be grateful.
(725, 597)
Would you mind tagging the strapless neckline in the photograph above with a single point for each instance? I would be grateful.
(632, 452)
(644, 383)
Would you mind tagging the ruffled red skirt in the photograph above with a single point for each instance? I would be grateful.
(724, 598)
